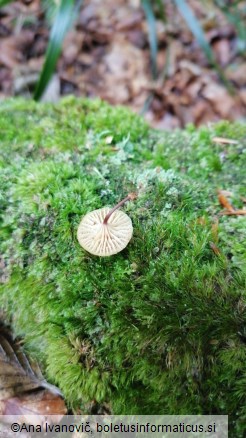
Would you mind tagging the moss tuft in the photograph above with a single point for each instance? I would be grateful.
(160, 327)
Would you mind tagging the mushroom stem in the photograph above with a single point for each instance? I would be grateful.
(129, 197)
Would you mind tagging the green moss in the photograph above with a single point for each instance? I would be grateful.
(159, 327)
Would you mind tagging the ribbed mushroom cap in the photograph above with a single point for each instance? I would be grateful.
(104, 239)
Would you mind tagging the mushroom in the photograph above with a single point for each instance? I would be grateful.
(106, 231)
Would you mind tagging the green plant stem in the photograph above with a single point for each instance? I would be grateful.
(198, 33)
(147, 7)
(60, 27)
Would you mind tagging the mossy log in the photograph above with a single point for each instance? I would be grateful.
(158, 328)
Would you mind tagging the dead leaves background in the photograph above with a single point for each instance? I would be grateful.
(107, 55)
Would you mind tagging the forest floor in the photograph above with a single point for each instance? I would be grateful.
(106, 54)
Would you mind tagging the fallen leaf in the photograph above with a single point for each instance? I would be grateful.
(72, 46)
(191, 66)
(23, 389)
(222, 51)
(242, 95)
(224, 201)
(237, 73)
(130, 21)
(107, 55)
(8, 52)
(222, 102)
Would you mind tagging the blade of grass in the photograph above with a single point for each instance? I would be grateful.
(50, 8)
(160, 9)
(59, 29)
(5, 2)
(198, 33)
(236, 16)
(150, 17)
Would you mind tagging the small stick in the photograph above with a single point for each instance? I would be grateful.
(234, 212)
(224, 140)
(129, 197)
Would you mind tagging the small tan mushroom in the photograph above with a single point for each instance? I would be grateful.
(106, 231)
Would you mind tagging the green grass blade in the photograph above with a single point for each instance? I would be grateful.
(235, 15)
(195, 28)
(198, 33)
(60, 27)
(147, 7)
(5, 2)
(160, 10)
(50, 9)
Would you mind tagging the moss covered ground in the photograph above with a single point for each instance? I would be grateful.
(160, 327)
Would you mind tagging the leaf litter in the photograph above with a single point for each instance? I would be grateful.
(23, 389)
(107, 54)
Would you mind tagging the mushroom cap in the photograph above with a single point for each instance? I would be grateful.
(104, 239)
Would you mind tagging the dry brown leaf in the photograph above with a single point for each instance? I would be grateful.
(8, 52)
(220, 98)
(191, 66)
(237, 73)
(222, 51)
(41, 403)
(23, 390)
(242, 95)
(202, 112)
(130, 21)
(168, 121)
(72, 46)
(107, 55)
(224, 201)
